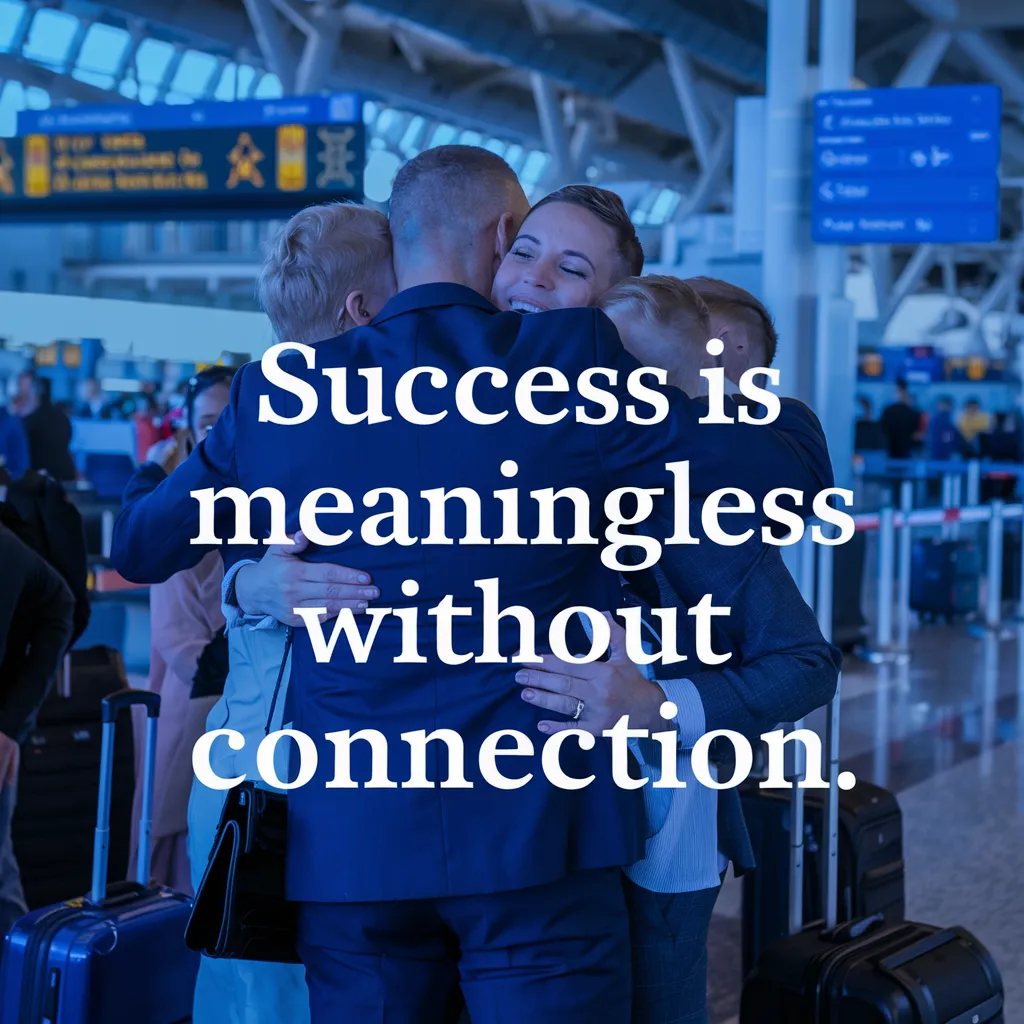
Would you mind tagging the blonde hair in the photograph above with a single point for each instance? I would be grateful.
(321, 255)
(733, 301)
(675, 307)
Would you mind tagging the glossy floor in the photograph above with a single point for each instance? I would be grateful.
(945, 732)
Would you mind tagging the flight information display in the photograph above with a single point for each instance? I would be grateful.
(248, 158)
(907, 165)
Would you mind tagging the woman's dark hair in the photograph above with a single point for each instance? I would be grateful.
(203, 381)
(607, 207)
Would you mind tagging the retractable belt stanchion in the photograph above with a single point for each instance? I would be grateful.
(955, 502)
(799, 765)
(994, 587)
(831, 816)
(974, 482)
(947, 502)
(886, 568)
(1020, 600)
(903, 582)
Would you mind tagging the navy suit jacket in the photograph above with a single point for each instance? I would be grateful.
(397, 843)
(780, 668)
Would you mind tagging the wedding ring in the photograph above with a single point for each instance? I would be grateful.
(580, 705)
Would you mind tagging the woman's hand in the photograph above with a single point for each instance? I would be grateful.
(170, 454)
(608, 689)
(282, 582)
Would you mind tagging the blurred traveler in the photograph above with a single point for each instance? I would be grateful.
(21, 393)
(38, 510)
(150, 428)
(92, 405)
(49, 435)
(973, 421)
(868, 435)
(901, 422)
(36, 613)
(944, 440)
(14, 454)
(185, 620)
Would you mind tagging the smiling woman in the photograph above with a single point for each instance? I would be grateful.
(574, 245)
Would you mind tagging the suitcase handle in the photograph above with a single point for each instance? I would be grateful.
(115, 702)
(818, 570)
(854, 929)
(112, 704)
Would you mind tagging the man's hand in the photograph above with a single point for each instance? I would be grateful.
(9, 756)
(609, 689)
(282, 582)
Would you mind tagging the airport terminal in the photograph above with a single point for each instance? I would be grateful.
(789, 235)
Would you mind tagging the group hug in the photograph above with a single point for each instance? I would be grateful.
(435, 904)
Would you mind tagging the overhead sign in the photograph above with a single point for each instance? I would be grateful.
(249, 158)
(907, 165)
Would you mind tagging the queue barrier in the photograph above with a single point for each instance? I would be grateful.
(960, 478)
(890, 639)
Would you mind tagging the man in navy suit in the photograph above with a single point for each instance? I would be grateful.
(407, 892)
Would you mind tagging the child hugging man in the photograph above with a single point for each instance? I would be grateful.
(663, 322)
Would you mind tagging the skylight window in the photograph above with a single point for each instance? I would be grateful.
(50, 36)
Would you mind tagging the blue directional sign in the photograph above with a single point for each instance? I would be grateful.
(907, 165)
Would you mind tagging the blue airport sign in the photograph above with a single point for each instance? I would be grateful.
(338, 108)
(907, 165)
(210, 160)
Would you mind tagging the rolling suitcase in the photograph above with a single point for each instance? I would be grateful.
(865, 971)
(870, 860)
(944, 577)
(117, 955)
(58, 784)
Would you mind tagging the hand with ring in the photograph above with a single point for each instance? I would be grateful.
(594, 697)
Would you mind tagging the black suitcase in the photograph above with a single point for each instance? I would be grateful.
(870, 860)
(944, 577)
(58, 786)
(867, 971)
(873, 973)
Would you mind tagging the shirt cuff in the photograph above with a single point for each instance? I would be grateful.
(689, 720)
(234, 617)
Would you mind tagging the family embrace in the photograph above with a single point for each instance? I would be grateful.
(532, 902)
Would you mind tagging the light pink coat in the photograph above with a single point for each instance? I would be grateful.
(185, 615)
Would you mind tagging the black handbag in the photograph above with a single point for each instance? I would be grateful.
(240, 911)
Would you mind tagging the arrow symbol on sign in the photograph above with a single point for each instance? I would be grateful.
(919, 159)
(825, 190)
(939, 156)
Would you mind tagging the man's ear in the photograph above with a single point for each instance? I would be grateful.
(507, 230)
(355, 307)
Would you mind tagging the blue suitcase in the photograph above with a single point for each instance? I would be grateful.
(118, 955)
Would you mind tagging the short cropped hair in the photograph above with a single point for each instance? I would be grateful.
(444, 188)
(608, 207)
(321, 255)
(674, 306)
(730, 300)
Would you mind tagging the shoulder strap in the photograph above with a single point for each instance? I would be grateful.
(280, 676)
